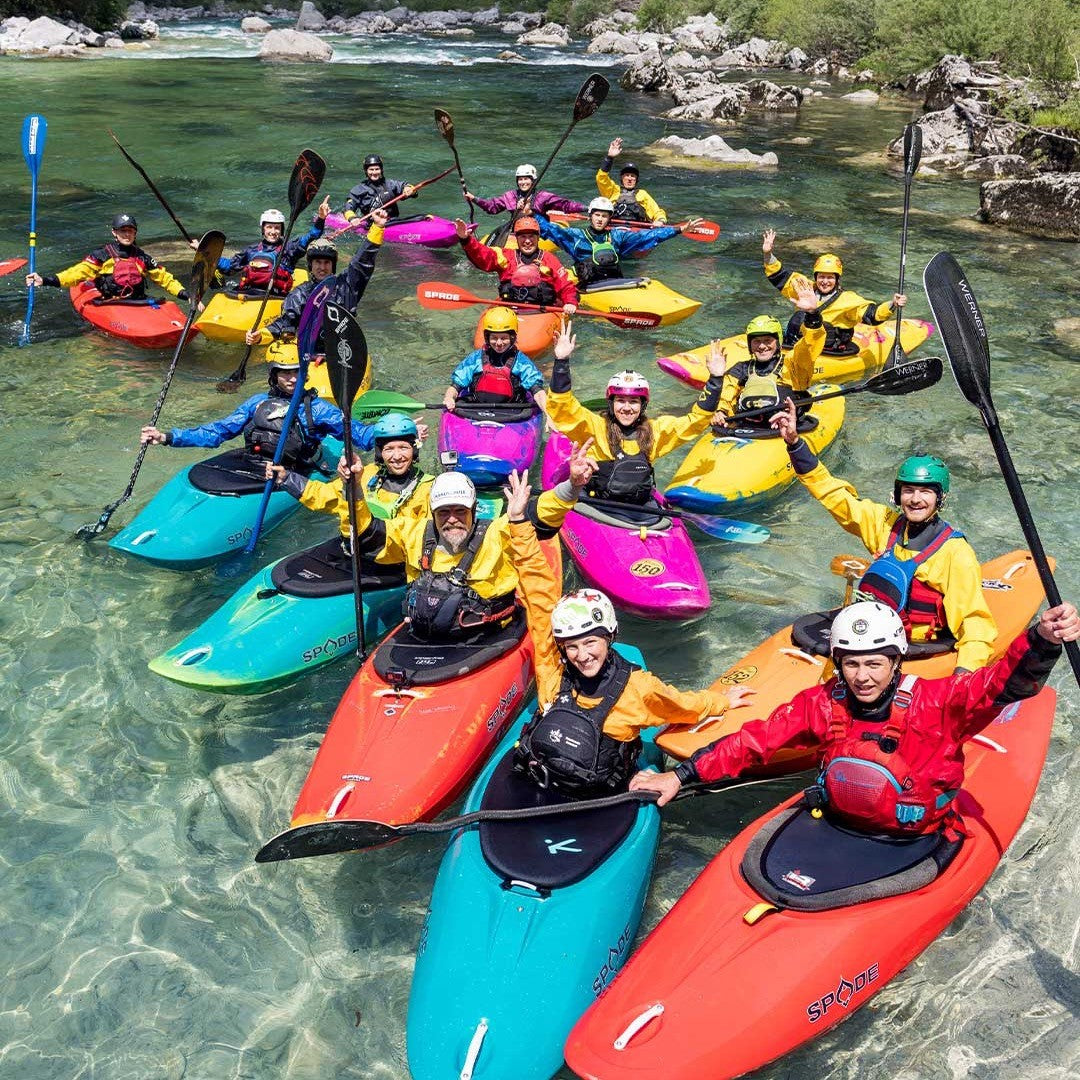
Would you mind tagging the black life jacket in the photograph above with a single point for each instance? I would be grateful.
(263, 430)
(628, 478)
(628, 208)
(603, 261)
(565, 746)
(838, 340)
(260, 271)
(442, 605)
(126, 278)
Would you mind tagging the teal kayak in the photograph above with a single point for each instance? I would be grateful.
(529, 922)
(206, 511)
(290, 618)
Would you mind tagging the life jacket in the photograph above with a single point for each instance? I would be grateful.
(263, 430)
(629, 478)
(442, 605)
(495, 383)
(528, 281)
(839, 340)
(390, 502)
(260, 271)
(872, 779)
(564, 745)
(603, 261)
(126, 278)
(760, 386)
(628, 208)
(892, 582)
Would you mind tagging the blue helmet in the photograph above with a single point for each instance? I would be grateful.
(394, 425)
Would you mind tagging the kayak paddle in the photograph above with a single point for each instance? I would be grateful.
(152, 186)
(912, 154)
(346, 366)
(720, 528)
(445, 125)
(377, 403)
(705, 232)
(442, 296)
(963, 333)
(9, 266)
(357, 222)
(307, 333)
(203, 266)
(339, 837)
(850, 568)
(905, 378)
(307, 176)
(34, 130)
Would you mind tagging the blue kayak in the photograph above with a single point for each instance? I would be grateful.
(205, 512)
(529, 921)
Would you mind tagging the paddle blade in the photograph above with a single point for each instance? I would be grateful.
(34, 130)
(326, 838)
(907, 377)
(591, 96)
(377, 403)
(721, 528)
(704, 232)
(346, 354)
(628, 320)
(9, 266)
(307, 177)
(204, 265)
(912, 148)
(311, 321)
(442, 296)
(445, 125)
(963, 331)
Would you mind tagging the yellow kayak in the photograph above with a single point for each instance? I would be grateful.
(875, 345)
(640, 294)
(230, 315)
(744, 466)
(317, 377)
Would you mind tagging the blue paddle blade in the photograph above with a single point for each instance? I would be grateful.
(34, 130)
(722, 528)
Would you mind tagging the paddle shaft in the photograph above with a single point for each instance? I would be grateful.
(354, 532)
(445, 125)
(704, 232)
(913, 151)
(357, 222)
(35, 129)
(153, 187)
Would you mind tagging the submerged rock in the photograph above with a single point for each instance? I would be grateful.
(714, 150)
(1047, 206)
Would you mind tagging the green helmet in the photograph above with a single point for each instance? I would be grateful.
(763, 324)
(924, 471)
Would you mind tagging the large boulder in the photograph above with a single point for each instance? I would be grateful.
(683, 61)
(1047, 206)
(291, 45)
(310, 17)
(648, 72)
(998, 167)
(254, 25)
(614, 43)
(772, 98)
(725, 105)
(147, 30)
(757, 52)
(795, 59)
(708, 29)
(548, 34)
(951, 77)
(43, 33)
(863, 97)
(714, 149)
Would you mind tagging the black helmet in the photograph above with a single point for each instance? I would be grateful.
(322, 249)
(372, 159)
(629, 167)
(124, 221)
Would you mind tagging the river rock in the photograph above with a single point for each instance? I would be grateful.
(795, 59)
(509, 54)
(715, 149)
(41, 34)
(684, 38)
(951, 77)
(708, 29)
(548, 34)
(683, 61)
(863, 97)
(293, 45)
(66, 52)
(488, 17)
(1068, 330)
(114, 43)
(757, 52)
(254, 25)
(615, 23)
(998, 167)
(310, 17)
(1047, 206)
(147, 30)
(724, 106)
(614, 43)
(772, 98)
(648, 72)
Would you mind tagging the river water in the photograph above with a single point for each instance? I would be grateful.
(141, 940)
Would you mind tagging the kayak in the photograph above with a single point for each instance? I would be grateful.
(318, 378)
(874, 348)
(796, 658)
(229, 315)
(535, 335)
(425, 231)
(644, 561)
(639, 294)
(150, 324)
(526, 925)
(491, 441)
(206, 511)
(290, 618)
(747, 465)
(737, 975)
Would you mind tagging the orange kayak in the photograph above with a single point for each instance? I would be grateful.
(536, 332)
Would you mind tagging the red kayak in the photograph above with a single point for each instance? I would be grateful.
(730, 980)
(150, 324)
(9, 266)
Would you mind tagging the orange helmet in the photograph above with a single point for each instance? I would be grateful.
(526, 224)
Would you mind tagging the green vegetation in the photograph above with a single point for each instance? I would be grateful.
(97, 14)
(577, 14)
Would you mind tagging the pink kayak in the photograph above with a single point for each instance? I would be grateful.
(491, 441)
(427, 231)
(644, 560)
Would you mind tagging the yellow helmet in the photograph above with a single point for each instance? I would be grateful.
(828, 264)
(499, 320)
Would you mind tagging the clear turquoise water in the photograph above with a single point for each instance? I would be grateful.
(141, 939)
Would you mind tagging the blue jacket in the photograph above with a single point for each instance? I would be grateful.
(286, 258)
(326, 420)
(522, 369)
(577, 242)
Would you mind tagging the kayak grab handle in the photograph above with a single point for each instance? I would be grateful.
(339, 798)
(1013, 569)
(474, 1051)
(800, 655)
(637, 1024)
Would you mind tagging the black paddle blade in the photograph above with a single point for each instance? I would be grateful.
(346, 354)
(591, 96)
(445, 125)
(88, 532)
(307, 177)
(907, 377)
(912, 148)
(327, 838)
(204, 264)
(962, 329)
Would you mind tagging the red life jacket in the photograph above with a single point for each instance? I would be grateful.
(495, 382)
(527, 281)
(259, 273)
(127, 271)
(888, 778)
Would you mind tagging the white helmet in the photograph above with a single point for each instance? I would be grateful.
(628, 384)
(526, 170)
(868, 627)
(452, 489)
(600, 203)
(272, 217)
(583, 612)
